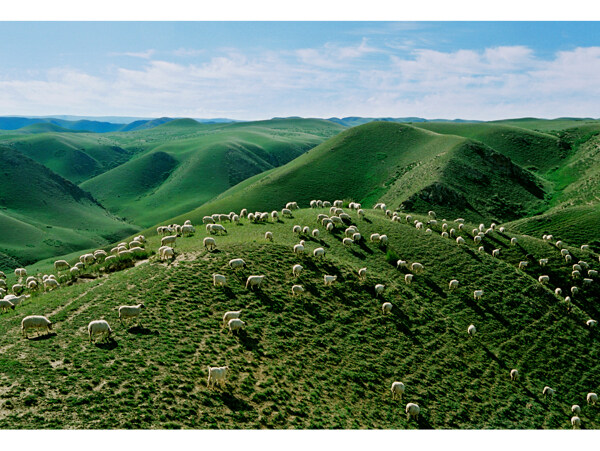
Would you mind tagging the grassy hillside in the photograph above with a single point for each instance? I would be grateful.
(182, 164)
(405, 166)
(547, 125)
(325, 359)
(42, 214)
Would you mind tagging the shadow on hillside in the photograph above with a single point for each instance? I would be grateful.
(250, 343)
(493, 356)
(235, 404)
(358, 255)
(43, 337)
(402, 327)
(314, 310)
(109, 344)
(141, 330)
(367, 220)
(424, 423)
(363, 245)
(273, 305)
(434, 287)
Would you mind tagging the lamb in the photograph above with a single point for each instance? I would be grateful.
(130, 311)
(36, 322)
(408, 278)
(235, 324)
(237, 263)
(362, 273)
(544, 279)
(169, 239)
(209, 243)
(296, 270)
(472, 330)
(453, 284)
(319, 252)
(592, 398)
(417, 268)
(60, 265)
(397, 389)
(219, 280)
(514, 374)
(547, 392)
(230, 315)
(412, 411)
(347, 242)
(329, 279)
(297, 289)
(386, 307)
(379, 289)
(99, 327)
(254, 281)
(216, 375)
(5, 305)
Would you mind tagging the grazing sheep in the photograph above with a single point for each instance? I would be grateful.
(362, 273)
(397, 390)
(215, 228)
(2, 275)
(20, 273)
(237, 263)
(523, 264)
(217, 374)
(209, 243)
(269, 236)
(587, 281)
(296, 270)
(361, 213)
(514, 374)
(297, 289)
(575, 409)
(543, 261)
(286, 212)
(592, 273)
(167, 252)
(187, 229)
(576, 422)
(417, 268)
(230, 315)
(568, 258)
(5, 305)
(374, 237)
(254, 281)
(356, 237)
(558, 291)
(329, 279)
(315, 233)
(379, 289)
(575, 274)
(36, 322)
(591, 323)
(169, 239)
(495, 252)
(472, 330)
(585, 247)
(299, 248)
(544, 279)
(99, 327)
(412, 411)
(386, 307)
(50, 284)
(383, 239)
(547, 392)
(219, 280)
(401, 264)
(460, 240)
(408, 278)
(235, 324)
(330, 227)
(306, 230)
(319, 252)
(513, 241)
(564, 252)
(592, 398)
(453, 284)
(60, 265)
(574, 291)
(559, 244)
(445, 235)
(33, 284)
(130, 311)
(428, 231)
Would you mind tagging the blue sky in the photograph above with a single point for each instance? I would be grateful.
(259, 70)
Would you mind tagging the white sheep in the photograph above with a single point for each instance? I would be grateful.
(386, 307)
(167, 252)
(315, 233)
(319, 252)
(513, 241)
(576, 422)
(575, 409)
(237, 263)
(50, 284)
(374, 237)
(254, 281)
(379, 289)
(383, 239)
(362, 273)
(568, 258)
(329, 279)
(523, 264)
(130, 311)
(306, 230)
(547, 392)
(558, 291)
(544, 279)
(417, 268)
(564, 252)
(445, 235)
(5, 305)
(460, 240)
(401, 264)
(297, 290)
(412, 411)
(169, 239)
(230, 315)
(286, 212)
(408, 278)
(587, 281)
(472, 330)
(215, 228)
(299, 248)
(592, 398)
(217, 374)
(453, 284)
(477, 239)
(36, 322)
(60, 265)
(495, 252)
(235, 324)
(2, 275)
(591, 323)
(514, 374)
(574, 291)
(296, 270)
(585, 247)
(543, 261)
(347, 242)
(187, 229)
(356, 237)
(99, 327)
(575, 274)
(269, 236)
(20, 273)
(592, 273)
(397, 390)
(219, 280)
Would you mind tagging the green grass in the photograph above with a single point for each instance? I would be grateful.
(323, 360)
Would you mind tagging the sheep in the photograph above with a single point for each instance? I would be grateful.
(374, 237)
(336, 220)
(230, 315)
(461, 226)
(237, 263)
(591, 323)
(185, 230)
(419, 225)
(445, 235)
(585, 247)
(547, 392)
(401, 264)
(330, 227)
(36, 322)
(386, 307)
(383, 239)
(568, 258)
(321, 217)
(559, 244)
(61, 265)
(130, 311)
(452, 232)
(89, 259)
(217, 375)
(169, 239)
(296, 270)
(319, 252)
(350, 231)
(20, 273)
(215, 228)
(428, 231)
(2, 275)
(209, 243)
(356, 237)
(362, 273)
(235, 324)
(99, 327)
(564, 252)
(477, 239)
(379, 289)
(574, 291)
(417, 268)
(587, 281)
(33, 284)
(50, 284)
(254, 281)
(558, 291)
(408, 278)
(575, 409)
(397, 389)
(412, 411)
(305, 230)
(297, 289)
(495, 252)
(523, 264)
(269, 236)
(347, 242)
(361, 213)
(292, 205)
(592, 273)
(286, 212)
(576, 422)
(408, 218)
(167, 252)
(513, 241)
(592, 398)
(453, 284)
(577, 267)
(544, 279)
(460, 240)
(315, 233)
(274, 215)
(575, 274)
(514, 374)
(472, 330)
(219, 280)
(329, 279)
(5, 305)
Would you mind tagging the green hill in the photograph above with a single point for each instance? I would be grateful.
(184, 163)
(42, 214)
(405, 166)
(325, 359)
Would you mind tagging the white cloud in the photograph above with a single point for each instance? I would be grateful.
(144, 55)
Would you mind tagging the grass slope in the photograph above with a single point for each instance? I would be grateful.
(322, 360)
(42, 214)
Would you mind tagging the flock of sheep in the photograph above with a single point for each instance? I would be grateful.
(337, 218)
